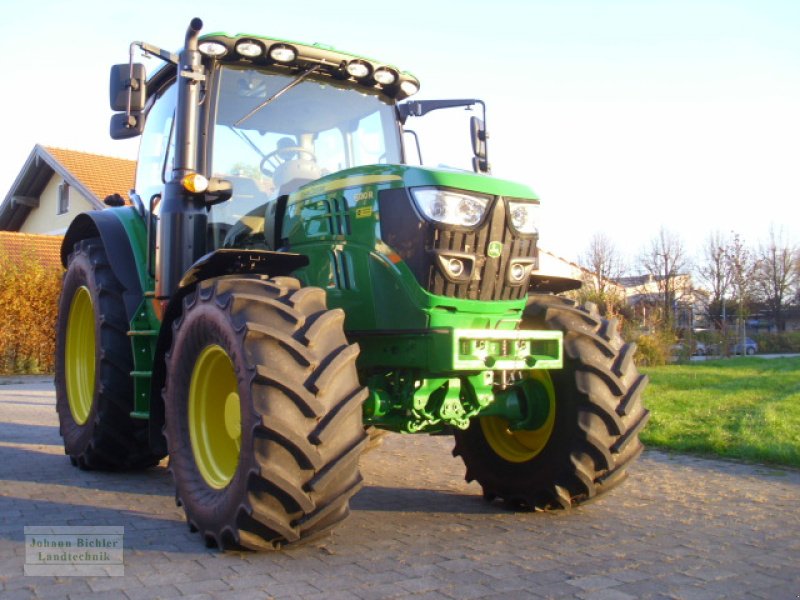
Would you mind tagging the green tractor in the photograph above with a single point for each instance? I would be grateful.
(284, 281)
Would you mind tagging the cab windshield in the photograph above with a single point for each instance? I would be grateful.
(313, 129)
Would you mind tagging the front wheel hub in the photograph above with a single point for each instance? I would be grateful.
(523, 440)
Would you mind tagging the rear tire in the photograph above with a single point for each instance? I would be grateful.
(594, 435)
(275, 460)
(94, 390)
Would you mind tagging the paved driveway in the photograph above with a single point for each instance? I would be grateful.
(679, 528)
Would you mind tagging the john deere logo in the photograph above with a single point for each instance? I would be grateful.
(495, 249)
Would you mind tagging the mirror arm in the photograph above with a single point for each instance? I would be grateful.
(133, 83)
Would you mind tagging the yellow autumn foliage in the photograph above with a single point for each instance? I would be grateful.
(29, 302)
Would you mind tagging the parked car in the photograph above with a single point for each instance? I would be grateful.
(680, 349)
(750, 347)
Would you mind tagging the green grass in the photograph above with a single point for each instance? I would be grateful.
(744, 408)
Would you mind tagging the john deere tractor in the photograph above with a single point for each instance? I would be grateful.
(287, 277)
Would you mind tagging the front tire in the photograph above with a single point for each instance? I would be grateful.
(591, 434)
(94, 390)
(263, 413)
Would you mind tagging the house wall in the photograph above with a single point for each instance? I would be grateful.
(45, 219)
(550, 264)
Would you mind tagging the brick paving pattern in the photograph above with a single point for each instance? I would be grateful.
(680, 527)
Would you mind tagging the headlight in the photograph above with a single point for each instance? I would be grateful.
(523, 216)
(450, 207)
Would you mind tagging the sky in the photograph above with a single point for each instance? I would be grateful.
(623, 116)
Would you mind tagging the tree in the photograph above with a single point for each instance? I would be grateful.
(714, 271)
(664, 259)
(777, 275)
(742, 265)
(603, 266)
(603, 261)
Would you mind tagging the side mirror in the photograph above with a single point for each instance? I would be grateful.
(478, 136)
(125, 126)
(128, 80)
(477, 133)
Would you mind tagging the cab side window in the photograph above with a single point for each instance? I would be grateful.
(156, 150)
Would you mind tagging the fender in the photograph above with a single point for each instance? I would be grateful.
(220, 263)
(124, 236)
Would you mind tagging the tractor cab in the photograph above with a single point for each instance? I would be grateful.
(271, 116)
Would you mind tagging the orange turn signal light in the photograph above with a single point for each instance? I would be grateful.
(194, 183)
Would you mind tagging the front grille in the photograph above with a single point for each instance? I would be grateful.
(420, 244)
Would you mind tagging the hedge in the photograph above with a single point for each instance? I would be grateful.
(29, 299)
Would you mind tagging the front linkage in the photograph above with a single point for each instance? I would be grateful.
(453, 392)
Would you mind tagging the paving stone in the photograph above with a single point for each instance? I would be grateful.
(18, 594)
(204, 586)
(593, 583)
(163, 592)
(605, 594)
(332, 595)
(680, 527)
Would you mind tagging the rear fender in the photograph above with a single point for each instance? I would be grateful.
(124, 236)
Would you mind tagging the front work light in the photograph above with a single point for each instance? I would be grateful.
(358, 69)
(282, 53)
(523, 217)
(450, 207)
(213, 49)
(385, 76)
(409, 88)
(249, 48)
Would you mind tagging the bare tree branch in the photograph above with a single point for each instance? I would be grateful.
(714, 271)
(603, 261)
(777, 275)
(664, 259)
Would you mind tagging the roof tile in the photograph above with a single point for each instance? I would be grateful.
(44, 248)
(103, 175)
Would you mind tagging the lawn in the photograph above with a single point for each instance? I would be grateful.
(744, 408)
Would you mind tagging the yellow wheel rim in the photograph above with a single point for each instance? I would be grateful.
(521, 445)
(79, 356)
(215, 416)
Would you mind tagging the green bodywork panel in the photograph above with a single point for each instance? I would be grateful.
(145, 325)
(335, 221)
(430, 361)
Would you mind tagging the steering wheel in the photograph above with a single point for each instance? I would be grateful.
(277, 157)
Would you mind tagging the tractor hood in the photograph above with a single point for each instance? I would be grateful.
(397, 176)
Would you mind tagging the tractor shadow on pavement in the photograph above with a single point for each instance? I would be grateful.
(413, 500)
(19, 433)
(45, 464)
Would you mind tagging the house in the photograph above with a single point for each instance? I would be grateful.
(644, 292)
(560, 268)
(56, 184)
(762, 319)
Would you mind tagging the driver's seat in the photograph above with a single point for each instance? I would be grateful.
(292, 174)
